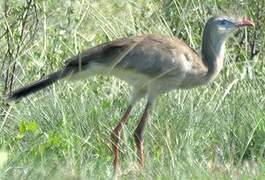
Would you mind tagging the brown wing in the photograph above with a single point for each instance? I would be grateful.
(158, 56)
(103, 53)
(149, 54)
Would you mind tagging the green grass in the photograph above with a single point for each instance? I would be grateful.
(216, 131)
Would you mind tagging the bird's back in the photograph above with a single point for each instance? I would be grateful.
(150, 58)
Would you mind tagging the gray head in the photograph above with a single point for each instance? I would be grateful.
(216, 31)
(219, 28)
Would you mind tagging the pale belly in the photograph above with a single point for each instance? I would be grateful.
(154, 84)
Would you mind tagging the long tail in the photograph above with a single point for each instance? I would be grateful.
(37, 85)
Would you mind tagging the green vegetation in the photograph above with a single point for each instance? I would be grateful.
(216, 131)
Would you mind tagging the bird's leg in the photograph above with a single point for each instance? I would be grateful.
(115, 137)
(138, 134)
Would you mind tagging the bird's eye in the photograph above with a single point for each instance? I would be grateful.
(223, 22)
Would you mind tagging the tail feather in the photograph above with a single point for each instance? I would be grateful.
(36, 86)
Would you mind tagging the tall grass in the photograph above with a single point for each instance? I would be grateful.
(216, 131)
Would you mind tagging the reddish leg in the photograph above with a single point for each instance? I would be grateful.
(138, 135)
(115, 137)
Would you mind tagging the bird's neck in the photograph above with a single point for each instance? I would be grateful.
(212, 55)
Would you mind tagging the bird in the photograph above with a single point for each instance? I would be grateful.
(152, 64)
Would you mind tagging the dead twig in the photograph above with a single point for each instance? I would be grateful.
(20, 20)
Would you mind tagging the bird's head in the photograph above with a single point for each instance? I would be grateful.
(221, 27)
(216, 32)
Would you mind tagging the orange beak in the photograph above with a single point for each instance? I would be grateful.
(245, 22)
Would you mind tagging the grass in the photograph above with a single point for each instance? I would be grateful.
(216, 131)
